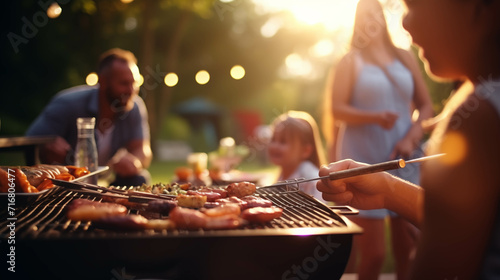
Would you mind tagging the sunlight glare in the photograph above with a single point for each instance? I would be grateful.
(271, 27)
(322, 48)
(332, 14)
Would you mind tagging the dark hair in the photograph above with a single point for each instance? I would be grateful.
(108, 57)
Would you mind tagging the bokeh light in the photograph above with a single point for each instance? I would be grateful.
(139, 80)
(237, 72)
(296, 65)
(127, 1)
(92, 79)
(202, 77)
(455, 147)
(322, 48)
(171, 79)
(54, 10)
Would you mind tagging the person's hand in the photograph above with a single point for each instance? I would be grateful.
(387, 119)
(404, 148)
(363, 192)
(125, 164)
(55, 152)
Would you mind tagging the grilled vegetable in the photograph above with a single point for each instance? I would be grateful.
(191, 201)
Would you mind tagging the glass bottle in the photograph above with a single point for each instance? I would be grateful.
(86, 149)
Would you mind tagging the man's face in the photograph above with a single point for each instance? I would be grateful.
(120, 87)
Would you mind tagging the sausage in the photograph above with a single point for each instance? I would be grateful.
(222, 192)
(225, 209)
(254, 201)
(161, 206)
(186, 218)
(45, 185)
(211, 196)
(86, 210)
(77, 171)
(261, 214)
(243, 204)
(22, 183)
(240, 189)
(4, 180)
(223, 222)
(125, 222)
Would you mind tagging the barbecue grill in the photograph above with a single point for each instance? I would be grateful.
(309, 241)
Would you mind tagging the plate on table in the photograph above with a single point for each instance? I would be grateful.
(24, 199)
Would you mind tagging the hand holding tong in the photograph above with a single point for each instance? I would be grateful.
(378, 167)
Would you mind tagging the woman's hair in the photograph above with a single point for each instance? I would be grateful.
(301, 128)
(369, 22)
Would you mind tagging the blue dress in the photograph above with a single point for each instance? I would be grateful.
(370, 143)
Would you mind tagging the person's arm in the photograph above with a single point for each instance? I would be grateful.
(373, 191)
(461, 199)
(342, 90)
(54, 120)
(133, 159)
(141, 149)
(137, 154)
(422, 103)
(55, 152)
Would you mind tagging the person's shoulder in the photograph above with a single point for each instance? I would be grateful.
(407, 56)
(349, 58)
(76, 92)
(140, 105)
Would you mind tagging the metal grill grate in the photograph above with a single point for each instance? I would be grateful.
(47, 219)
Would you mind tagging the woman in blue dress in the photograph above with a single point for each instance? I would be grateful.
(379, 99)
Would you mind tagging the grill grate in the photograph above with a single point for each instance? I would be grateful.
(309, 235)
(46, 218)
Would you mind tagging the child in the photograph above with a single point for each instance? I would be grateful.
(296, 148)
(458, 205)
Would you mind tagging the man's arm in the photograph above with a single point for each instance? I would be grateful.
(134, 158)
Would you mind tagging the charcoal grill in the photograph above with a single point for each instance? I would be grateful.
(310, 241)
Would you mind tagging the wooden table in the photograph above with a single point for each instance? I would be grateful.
(29, 145)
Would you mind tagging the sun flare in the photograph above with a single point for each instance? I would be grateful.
(336, 15)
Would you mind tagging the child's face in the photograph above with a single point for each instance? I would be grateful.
(283, 150)
(447, 32)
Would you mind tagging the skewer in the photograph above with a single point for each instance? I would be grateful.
(378, 167)
(133, 196)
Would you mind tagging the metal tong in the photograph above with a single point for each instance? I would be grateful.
(132, 196)
(377, 167)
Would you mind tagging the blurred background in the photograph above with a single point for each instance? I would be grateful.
(210, 69)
